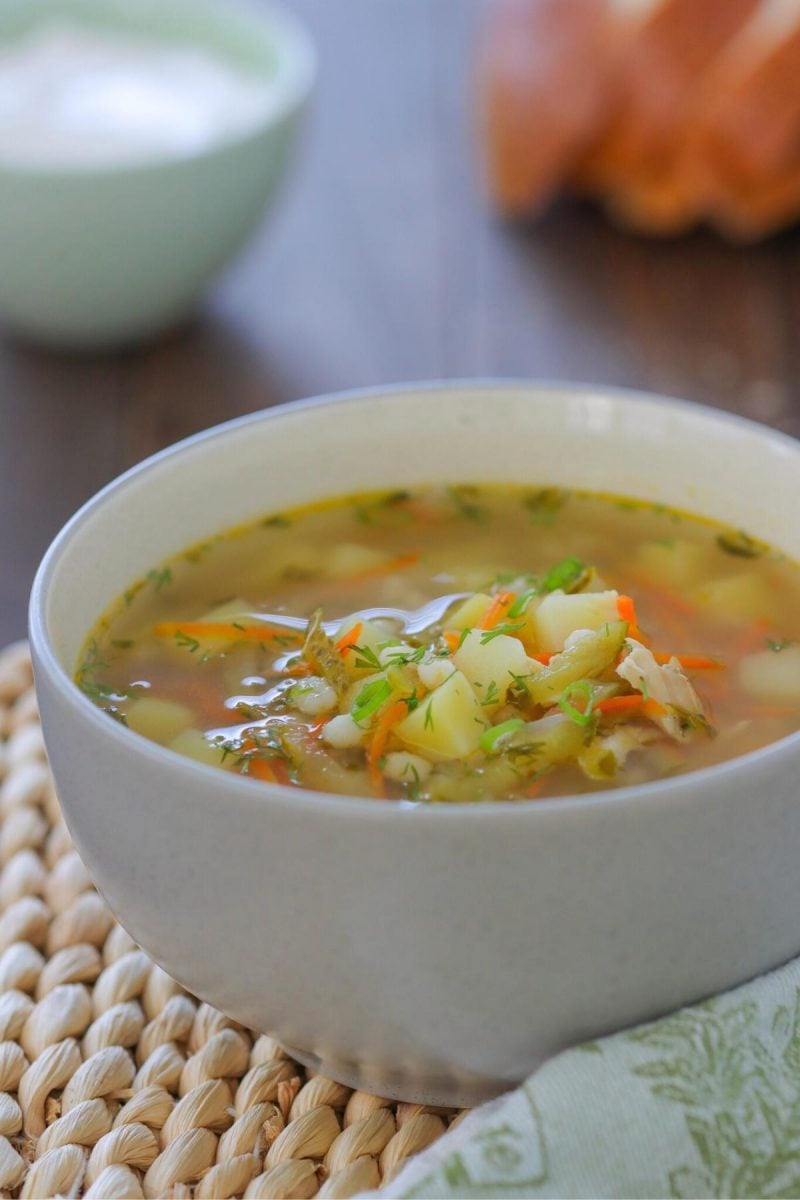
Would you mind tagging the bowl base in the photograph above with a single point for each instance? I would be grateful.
(415, 1085)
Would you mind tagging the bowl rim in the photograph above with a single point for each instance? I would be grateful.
(296, 64)
(307, 800)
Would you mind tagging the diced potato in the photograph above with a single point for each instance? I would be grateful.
(351, 558)
(469, 612)
(738, 598)
(434, 670)
(191, 743)
(491, 666)
(585, 660)
(559, 614)
(675, 563)
(159, 720)
(447, 724)
(772, 677)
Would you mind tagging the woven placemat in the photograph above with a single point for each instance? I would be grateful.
(114, 1082)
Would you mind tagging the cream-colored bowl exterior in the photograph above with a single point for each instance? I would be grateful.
(110, 255)
(434, 954)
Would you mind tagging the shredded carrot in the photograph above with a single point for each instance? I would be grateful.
(452, 639)
(623, 704)
(533, 790)
(692, 662)
(260, 768)
(316, 729)
(386, 568)
(544, 659)
(497, 609)
(388, 718)
(350, 639)
(224, 629)
(626, 610)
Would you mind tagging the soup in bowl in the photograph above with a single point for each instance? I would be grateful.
(435, 729)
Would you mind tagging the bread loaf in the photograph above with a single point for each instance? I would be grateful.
(670, 112)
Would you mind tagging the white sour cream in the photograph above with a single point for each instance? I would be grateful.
(77, 97)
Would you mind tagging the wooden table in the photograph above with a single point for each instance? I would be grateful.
(380, 264)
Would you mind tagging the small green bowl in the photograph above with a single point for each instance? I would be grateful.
(111, 255)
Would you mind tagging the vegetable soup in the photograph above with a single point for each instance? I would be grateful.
(459, 644)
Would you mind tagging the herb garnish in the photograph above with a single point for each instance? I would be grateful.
(488, 742)
(365, 658)
(581, 716)
(740, 544)
(545, 504)
(509, 628)
(465, 504)
(371, 697)
(160, 577)
(564, 575)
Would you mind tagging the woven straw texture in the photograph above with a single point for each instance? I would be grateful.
(115, 1082)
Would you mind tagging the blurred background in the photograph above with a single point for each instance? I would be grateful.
(383, 261)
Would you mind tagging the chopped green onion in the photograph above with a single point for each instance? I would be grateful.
(488, 742)
(370, 699)
(563, 574)
(580, 688)
(522, 602)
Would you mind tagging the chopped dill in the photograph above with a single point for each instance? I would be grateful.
(366, 659)
(188, 643)
(429, 715)
(160, 577)
(463, 497)
(489, 635)
(413, 788)
(741, 545)
(545, 505)
(776, 645)
(195, 555)
(123, 643)
(278, 521)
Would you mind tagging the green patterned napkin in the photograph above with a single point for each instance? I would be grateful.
(702, 1103)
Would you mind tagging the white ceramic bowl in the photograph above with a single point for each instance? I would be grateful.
(107, 255)
(434, 954)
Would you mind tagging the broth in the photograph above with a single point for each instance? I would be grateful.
(459, 644)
